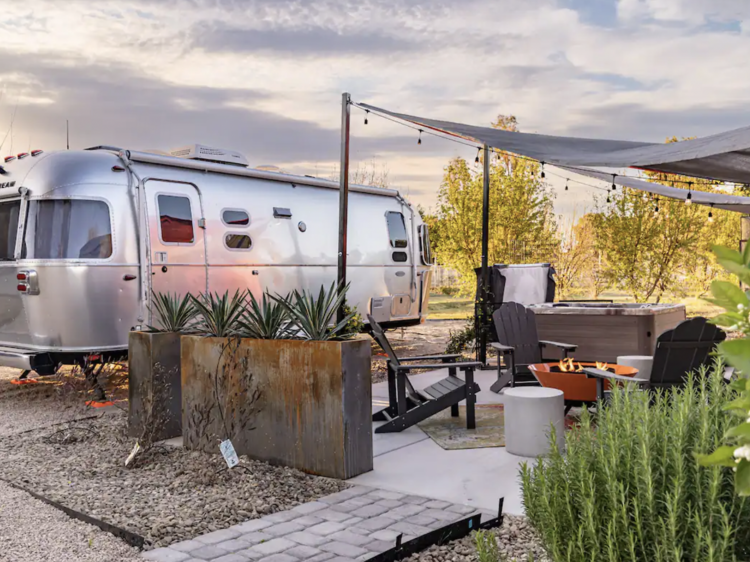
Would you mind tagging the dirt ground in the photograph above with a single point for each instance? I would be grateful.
(429, 338)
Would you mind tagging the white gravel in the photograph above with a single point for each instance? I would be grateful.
(32, 531)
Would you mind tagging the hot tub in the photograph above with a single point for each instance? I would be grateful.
(603, 331)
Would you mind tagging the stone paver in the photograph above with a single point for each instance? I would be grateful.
(350, 526)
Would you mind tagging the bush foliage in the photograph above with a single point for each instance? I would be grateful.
(630, 488)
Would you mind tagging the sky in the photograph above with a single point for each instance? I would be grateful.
(265, 77)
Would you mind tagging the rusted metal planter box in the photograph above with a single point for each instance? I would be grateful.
(154, 374)
(314, 405)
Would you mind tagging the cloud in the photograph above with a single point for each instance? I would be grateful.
(304, 42)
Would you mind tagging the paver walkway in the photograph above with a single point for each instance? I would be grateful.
(354, 524)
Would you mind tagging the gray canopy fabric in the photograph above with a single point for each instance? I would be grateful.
(723, 157)
(735, 203)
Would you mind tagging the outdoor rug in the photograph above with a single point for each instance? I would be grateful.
(451, 433)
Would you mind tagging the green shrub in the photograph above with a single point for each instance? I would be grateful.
(314, 317)
(459, 341)
(265, 319)
(630, 489)
(219, 315)
(448, 290)
(172, 312)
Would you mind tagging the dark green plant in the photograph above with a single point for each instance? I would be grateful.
(219, 315)
(265, 320)
(314, 317)
(459, 341)
(486, 545)
(172, 313)
(355, 325)
(735, 452)
(628, 488)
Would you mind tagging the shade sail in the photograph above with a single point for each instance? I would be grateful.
(722, 157)
(735, 203)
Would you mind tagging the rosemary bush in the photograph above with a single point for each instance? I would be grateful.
(630, 488)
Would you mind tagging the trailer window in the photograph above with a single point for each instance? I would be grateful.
(235, 217)
(424, 244)
(396, 229)
(176, 219)
(8, 229)
(68, 229)
(238, 241)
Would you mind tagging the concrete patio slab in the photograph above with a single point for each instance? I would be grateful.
(411, 463)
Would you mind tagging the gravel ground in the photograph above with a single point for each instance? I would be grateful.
(169, 496)
(32, 531)
(516, 541)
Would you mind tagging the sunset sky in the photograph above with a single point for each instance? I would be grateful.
(265, 76)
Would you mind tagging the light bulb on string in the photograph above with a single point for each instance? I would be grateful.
(476, 160)
(614, 187)
(566, 185)
(609, 199)
(541, 175)
(656, 207)
(367, 112)
(689, 198)
(419, 140)
(711, 214)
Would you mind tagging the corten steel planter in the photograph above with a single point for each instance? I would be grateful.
(312, 409)
(154, 373)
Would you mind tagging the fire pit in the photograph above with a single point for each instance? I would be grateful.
(567, 375)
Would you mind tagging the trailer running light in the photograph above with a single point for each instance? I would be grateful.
(9, 159)
(36, 152)
(22, 287)
(23, 155)
(21, 276)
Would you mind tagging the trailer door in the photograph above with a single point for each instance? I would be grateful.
(177, 244)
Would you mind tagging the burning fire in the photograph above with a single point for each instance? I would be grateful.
(567, 365)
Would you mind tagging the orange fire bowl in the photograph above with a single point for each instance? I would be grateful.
(575, 386)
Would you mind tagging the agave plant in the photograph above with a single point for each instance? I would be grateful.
(314, 316)
(173, 314)
(265, 320)
(219, 315)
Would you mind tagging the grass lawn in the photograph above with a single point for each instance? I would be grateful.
(443, 307)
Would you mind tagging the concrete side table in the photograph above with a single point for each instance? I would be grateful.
(530, 413)
(644, 364)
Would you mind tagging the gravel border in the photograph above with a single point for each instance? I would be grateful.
(33, 531)
(169, 496)
(516, 541)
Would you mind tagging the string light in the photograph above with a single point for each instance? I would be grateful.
(689, 198)
(614, 187)
(419, 140)
(367, 112)
(711, 214)
(476, 160)
(541, 175)
(656, 207)
(609, 199)
(566, 184)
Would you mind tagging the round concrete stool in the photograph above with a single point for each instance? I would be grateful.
(529, 414)
(643, 363)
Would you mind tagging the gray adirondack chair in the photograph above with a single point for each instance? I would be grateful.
(407, 405)
(685, 348)
(519, 343)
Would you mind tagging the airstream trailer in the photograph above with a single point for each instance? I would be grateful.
(85, 236)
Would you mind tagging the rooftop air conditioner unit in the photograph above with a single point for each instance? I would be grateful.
(210, 154)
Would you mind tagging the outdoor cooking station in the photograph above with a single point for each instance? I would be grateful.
(603, 331)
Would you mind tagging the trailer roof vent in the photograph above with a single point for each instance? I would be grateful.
(209, 154)
(268, 168)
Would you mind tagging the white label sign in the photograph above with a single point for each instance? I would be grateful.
(229, 454)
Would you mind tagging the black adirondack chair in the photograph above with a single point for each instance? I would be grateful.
(408, 406)
(683, 349)
(515, 326)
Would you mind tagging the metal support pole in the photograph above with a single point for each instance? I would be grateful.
(744, 236)
(484, 304)
(343, 195)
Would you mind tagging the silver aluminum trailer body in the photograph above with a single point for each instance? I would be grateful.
(75, 271)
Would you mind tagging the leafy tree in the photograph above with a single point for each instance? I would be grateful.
(576, 257)
(520, 214)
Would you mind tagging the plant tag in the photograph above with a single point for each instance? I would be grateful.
(133, 453)
(227, 450)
